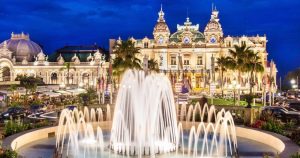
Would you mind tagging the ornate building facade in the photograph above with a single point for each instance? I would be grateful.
(192, 54)
(21, 56)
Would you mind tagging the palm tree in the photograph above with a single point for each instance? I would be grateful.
(126, 57)
(253, 65)
(67, 66)
(223, 64)
(238, 58)
(153, 65)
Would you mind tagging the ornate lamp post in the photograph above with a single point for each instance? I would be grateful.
(235, 86)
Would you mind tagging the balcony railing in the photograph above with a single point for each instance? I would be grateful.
(199, 66)
(173, 67)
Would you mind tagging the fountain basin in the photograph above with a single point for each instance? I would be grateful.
(283, 145)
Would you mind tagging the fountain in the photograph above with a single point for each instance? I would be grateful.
(145, 116)
(145, 124)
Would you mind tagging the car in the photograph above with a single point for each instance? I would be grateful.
(14, 112)
(283, 114)
(71, 107)
(294, 105)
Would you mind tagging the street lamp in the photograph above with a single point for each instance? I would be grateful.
(293, 83)
(234, 85)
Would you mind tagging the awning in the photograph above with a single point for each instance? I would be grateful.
(51, 94)
(76, 91)
(64, 92)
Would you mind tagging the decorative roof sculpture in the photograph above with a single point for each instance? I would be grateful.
(60, 60)
(75, 59)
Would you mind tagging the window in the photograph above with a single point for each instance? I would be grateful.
(243, 42)
(229, 44)
(199, 60)
(173, 60)
(186, 62)
(146, 45)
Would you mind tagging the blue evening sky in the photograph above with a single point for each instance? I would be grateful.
(55, 23)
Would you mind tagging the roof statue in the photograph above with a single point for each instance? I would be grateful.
(89, 58)
(24, 61)
(13, 60)
(97, 56)
(4, 52)
(41, 56)
(119, 41)
(92, 61)
(60, 60)
(75, 59)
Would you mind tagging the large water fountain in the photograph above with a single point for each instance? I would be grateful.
(145, 123)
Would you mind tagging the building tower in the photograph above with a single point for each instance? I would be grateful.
(161, 30)
(213, 31)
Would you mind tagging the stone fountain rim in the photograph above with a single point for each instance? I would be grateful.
(284, 145)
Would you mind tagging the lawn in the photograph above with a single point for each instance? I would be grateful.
(230, 102)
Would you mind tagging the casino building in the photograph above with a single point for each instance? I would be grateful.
(21, 56)
(192, 53)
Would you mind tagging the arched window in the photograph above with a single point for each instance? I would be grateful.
(54, 78)
(6, 73)
(85, 78)
(146, 45)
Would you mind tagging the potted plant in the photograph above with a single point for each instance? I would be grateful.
(249, 99)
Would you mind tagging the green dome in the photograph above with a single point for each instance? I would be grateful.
(196, 36)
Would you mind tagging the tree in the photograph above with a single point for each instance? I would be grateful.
(253, 65)
(88, 96)
(153, 65)
(12, 88)
(126, 57)
(67, 66)
(29, 83)
(238, 58)
(223, 63)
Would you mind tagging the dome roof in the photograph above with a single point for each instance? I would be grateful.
(196, 36)
(192, 31)
(22, 47)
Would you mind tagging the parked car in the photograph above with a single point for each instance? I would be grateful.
(14, 112)
(294, 105)
(71, 107)
(37, 110)
(283, 114)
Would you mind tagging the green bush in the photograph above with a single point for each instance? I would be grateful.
(295, 136)
(273, 125)
(297, 155)
(9, 154)
(14, 126)
(290, 125)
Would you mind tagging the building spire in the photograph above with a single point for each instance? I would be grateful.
(161, 15)
(214, 13)
(187, 12)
